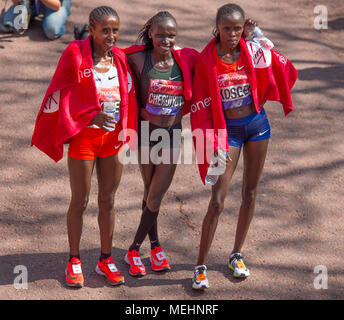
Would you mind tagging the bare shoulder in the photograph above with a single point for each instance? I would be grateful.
(136, 61)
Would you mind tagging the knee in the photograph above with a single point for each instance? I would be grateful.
(79, 205)
(249, 195)
(146, 187)
(51, 32)
(216, 207)
(154, 204)
(52, 29)
(105, 203)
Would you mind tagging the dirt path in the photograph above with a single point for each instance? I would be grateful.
(298, 223)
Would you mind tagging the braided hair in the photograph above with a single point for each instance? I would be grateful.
(143, 36)
(97, 13)
(226, 10)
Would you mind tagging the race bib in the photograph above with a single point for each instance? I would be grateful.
(165, 97)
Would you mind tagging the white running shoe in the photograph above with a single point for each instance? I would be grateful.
(236, 264)
(200, 280)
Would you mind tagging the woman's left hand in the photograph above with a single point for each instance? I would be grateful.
(249, 25)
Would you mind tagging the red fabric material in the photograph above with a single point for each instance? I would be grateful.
(271, 77)
(185, 58)
(78, 102)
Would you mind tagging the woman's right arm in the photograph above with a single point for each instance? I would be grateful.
(135, 61)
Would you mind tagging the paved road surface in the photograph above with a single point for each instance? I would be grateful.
(298, 222)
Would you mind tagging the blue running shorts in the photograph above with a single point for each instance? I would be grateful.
(254, 127)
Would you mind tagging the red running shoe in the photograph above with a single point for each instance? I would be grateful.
(137, 269)
(158, 260)
(74, 276)
(108, 269)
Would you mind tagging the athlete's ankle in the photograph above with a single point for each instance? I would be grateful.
(71, 256)
(155, 244)
(135, 246)
(104, 256)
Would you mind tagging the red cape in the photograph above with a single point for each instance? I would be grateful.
(185, 58)
(271, 77)
(71, 100)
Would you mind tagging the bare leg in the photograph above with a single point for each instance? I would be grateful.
(254, 158)
(216, 204)
(147, 171)
(80, 172)
(161, 181)
(161, 178)
(109, 172)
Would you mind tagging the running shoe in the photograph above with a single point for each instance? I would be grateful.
(74, 276)
(108, 269)
(159, 260)
(236, 264)
(200, 280)
(137, 269)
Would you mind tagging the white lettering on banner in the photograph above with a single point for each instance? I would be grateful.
(261, 57)
(52, 103)
(201, 104)
(281, 58)
(86, 73)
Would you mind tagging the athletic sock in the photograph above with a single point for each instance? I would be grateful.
(199, 266)
(148, 218)
(233, 254)
(153, 232)
(73, 256)
(104, 256)
(153, 235)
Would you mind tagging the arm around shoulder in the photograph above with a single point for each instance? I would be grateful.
(136, 61)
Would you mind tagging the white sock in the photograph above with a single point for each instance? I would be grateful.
(232, 254)
(202, 265)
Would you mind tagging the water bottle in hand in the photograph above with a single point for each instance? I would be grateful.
(255, 34)
(217, 167)
(113, 109)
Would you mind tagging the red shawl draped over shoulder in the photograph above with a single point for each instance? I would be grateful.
(185, 58)
(271, 77)
(71, 100)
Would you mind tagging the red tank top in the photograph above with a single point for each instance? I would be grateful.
(233, 83)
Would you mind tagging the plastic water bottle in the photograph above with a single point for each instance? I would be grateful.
(211, 179)
(111, 109)
(217, 167)
(255, 34)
